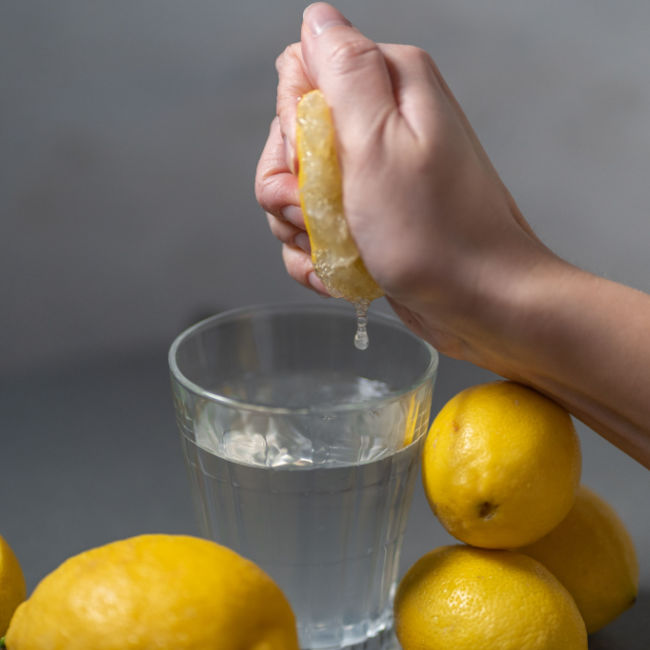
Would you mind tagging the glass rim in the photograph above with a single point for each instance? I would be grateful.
(302, 308)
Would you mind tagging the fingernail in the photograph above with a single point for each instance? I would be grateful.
(317, 284)
(293, 214)
(301, 240)
(320, 16)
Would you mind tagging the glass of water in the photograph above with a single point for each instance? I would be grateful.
(303, 451)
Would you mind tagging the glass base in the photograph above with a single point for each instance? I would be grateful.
(385, 640)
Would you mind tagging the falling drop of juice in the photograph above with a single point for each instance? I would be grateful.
(361, 340)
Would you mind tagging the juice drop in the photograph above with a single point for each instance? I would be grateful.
(361, 340)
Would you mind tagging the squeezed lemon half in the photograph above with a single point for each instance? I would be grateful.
(335, 255)
(336, 258)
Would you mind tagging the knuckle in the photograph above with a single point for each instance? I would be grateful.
(268, 194)
(290, 51)
(281, 58)
(275, 189)
(417, 56)
(260, 189)
(351, 54)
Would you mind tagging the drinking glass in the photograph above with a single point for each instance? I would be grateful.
(302, 453)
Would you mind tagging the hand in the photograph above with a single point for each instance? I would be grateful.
(440, 233)
(435, 226)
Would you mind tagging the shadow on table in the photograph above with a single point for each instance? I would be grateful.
(631, 631)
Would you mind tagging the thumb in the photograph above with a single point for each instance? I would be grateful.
(349, 68)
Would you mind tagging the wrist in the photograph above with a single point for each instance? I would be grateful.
(517, 311)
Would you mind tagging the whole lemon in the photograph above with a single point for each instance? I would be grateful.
(12, 584)
(592, 555)
(155, 592)
(501, 465)
(468, 599)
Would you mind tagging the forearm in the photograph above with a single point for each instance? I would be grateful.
(582, 340)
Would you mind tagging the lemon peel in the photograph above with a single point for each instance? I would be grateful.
(592, 554)
(155, 591)
(501, 465)
(12, 584)
(466, 598)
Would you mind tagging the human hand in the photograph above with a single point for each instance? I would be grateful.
(435, 226)
(443, 238)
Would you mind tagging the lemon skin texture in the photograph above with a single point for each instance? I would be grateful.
(476, 599)
(12, 584)
(501, 465)
(155, 592)
(593, 555)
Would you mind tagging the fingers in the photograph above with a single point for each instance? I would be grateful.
(293, 83)
(287, 233)
(276, 188)
(350, 70)
(300, 268)
(283, 230)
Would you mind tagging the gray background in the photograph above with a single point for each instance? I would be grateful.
(129, 134)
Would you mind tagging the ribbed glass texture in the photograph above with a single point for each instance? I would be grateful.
(302, 454)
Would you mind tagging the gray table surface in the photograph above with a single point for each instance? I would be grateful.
(90, 454)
